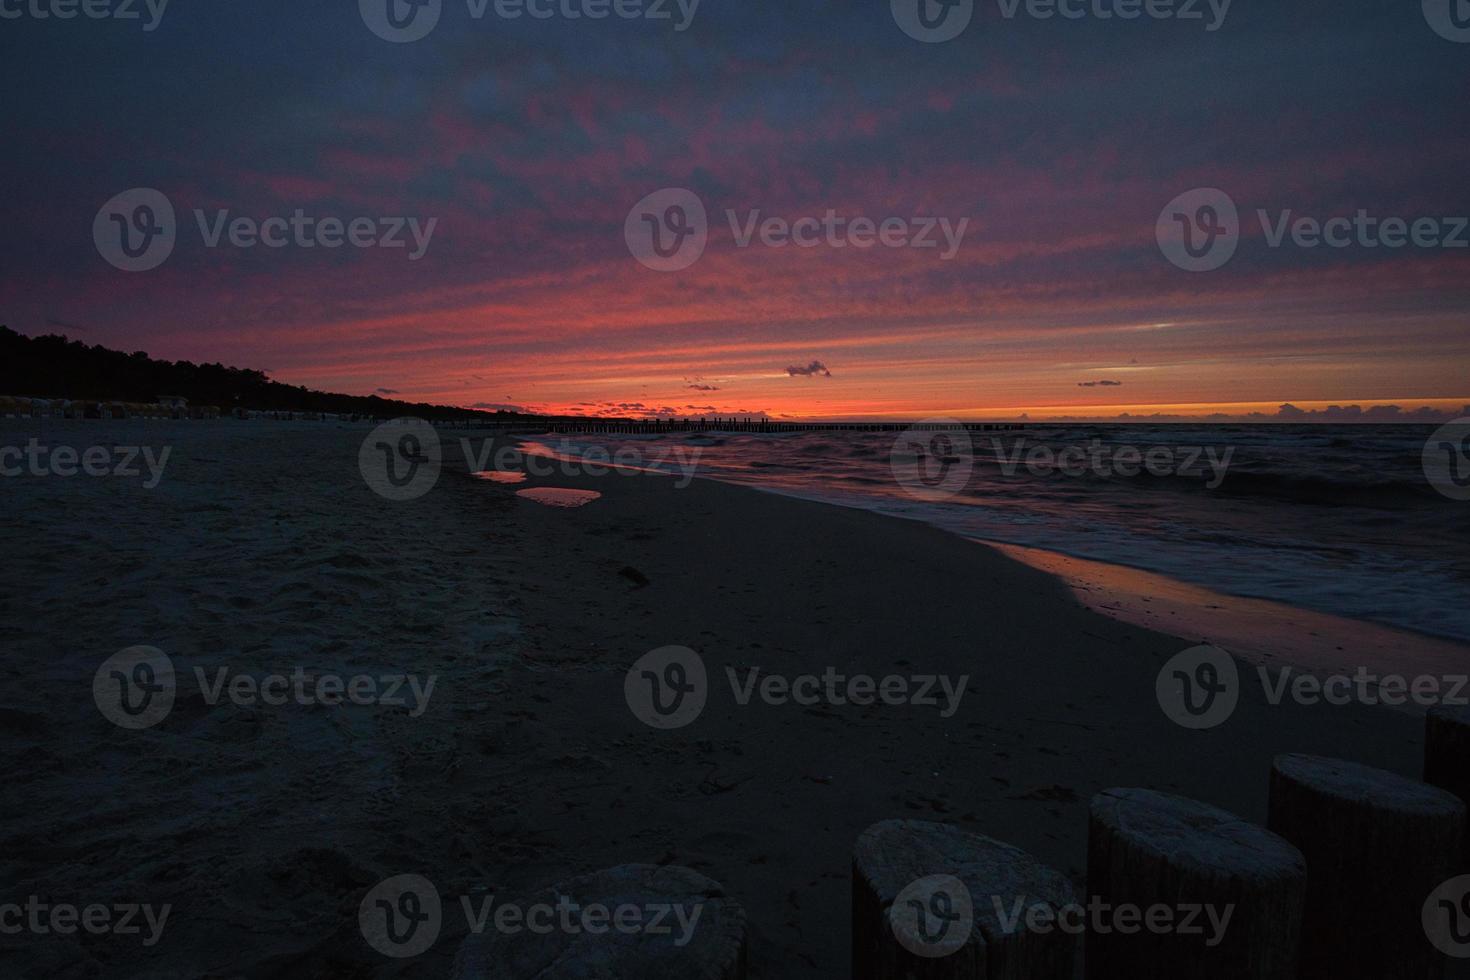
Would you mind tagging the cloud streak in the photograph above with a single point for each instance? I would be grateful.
(816, 369)
(530, 143)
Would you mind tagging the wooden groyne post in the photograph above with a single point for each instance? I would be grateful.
(1376, 846)
(1147, 850)
(932, 902)
(1447, 759)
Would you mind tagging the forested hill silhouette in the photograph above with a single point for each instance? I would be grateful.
(51, 366)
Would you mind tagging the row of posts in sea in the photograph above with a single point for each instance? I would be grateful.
(177, 408)
(759, 425)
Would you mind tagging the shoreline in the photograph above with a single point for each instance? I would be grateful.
(263, 549)
(1273, 634)
(1263, 631)
(1062, 700)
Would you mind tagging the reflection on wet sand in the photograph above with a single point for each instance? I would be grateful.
(559, 496)
(500, 476)
(1265, 632)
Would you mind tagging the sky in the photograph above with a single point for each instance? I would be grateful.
(1038, 157)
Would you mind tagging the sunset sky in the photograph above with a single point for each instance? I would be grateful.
(530, 140)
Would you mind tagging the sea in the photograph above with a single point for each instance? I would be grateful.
(1342, 519)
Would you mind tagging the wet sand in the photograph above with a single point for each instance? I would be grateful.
(264, 826)
(1258, 630)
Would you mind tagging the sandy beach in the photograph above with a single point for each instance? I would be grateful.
(262, 550)
(664, 490)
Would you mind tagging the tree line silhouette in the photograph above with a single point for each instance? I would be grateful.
(51, 366)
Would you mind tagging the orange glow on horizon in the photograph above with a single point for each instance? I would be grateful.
(1135, 412)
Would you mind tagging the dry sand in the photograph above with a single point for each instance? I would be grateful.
(263, 549)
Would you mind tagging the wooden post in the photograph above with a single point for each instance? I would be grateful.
(711, 946)
(1233, 892)
(1447, 759)
(932, 902)
(1376, 846)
